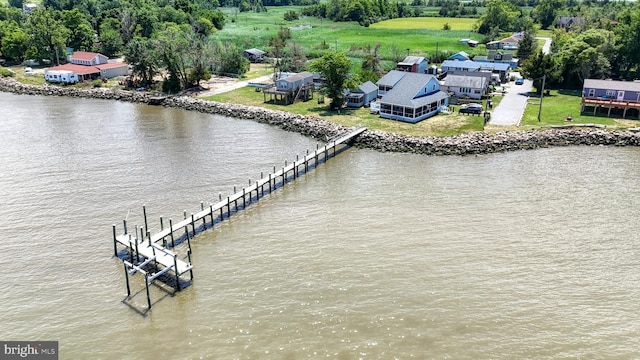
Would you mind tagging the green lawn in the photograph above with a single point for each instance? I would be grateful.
(255, 29)
(560, 104)
(441, 125)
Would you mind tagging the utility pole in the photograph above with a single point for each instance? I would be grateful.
(544, 77)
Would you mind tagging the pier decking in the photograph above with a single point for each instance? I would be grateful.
(143, 248)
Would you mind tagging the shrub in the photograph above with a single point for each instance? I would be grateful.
(6, 72)
(96, 83)
(291, 15)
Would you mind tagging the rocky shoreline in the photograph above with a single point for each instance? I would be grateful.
(466, 144)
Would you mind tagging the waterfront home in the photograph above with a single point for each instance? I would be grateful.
(413, 98)
(416, 64)
(388, 81)
(291, 88)
(363, 95)
(500, 69)
(569, 22)
(465, 86)
(86, 66)
(610, 94)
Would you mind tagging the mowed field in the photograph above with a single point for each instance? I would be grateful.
(428, 23)
(318, 35)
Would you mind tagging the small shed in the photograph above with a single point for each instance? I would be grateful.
(254, 55)
(363, 95)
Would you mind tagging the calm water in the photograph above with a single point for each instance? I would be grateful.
(532, 254)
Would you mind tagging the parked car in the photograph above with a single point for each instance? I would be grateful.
(472, 108)
(519, 81)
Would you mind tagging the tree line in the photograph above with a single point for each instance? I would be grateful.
(153, 35)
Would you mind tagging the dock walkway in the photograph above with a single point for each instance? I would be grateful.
(143, 248)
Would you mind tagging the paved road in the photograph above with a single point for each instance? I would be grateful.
(546, 48)
(511, 108)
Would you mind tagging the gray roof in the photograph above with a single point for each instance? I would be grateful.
(474, 82)
(410, 60)
(405, 91)
(368, 87)
(298, 76)
(255, 51)
(475, 66)
(391, 78)
(612, 85)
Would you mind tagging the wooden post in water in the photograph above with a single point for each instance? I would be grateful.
(244, 201)
(235, 202)
(211, 212)
(189, 258)
(115, 242)
(131, 251)
(164, 239)
(306, 162)
(126, 276)
(204, 218)
(284, 177)
(137, 252)
(257, 195)
(175, 270)
(144, 213)
(270, 184)
(124, 222)
(316, 156)
(173, 243)
(186, 227)
(146, 281)
(193, 224)
(228, 207)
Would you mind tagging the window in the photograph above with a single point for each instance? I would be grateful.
(465, 90)
(592, 92)
(612, 93)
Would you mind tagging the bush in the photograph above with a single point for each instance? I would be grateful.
(291, 15)
(96, 83)
(6, 72)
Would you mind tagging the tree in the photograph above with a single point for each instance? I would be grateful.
(15, 41)
(587, 55)
(526, 46)
(47, 36)
(81, 35)
(546, 11)
(110, 39)
(540, 65)
(334, 68)
(628, 35)
(16, 3)
(500, 14)
(143, 56)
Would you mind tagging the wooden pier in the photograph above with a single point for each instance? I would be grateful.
(143, 249)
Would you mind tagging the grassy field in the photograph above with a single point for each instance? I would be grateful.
(315, 35)
(560, 104)
(441, 125)
(427, 23)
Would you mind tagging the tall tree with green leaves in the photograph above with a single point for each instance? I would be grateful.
(142, 54)
(47, 36)
(628, 36)
(526, 46)
(14, 41)
(500, 14)
(110, 39)
(81, 34)
(538, 66)
(546, 11)
(334, 68)
(588, 55)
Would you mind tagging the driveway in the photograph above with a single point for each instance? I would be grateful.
(546, 48)
(511, 108)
